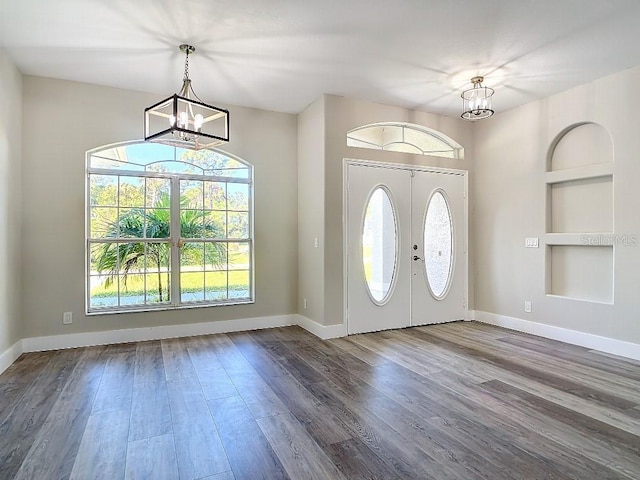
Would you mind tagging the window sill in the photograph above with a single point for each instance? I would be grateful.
(164, 308)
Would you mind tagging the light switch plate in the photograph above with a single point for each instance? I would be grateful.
(531, 242)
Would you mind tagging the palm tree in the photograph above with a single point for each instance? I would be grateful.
(124, 258)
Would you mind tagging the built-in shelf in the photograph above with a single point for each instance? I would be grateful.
(560, 297)
(578, 239)
(583, 272)
(579, 173)
(579, 243)
(581, 205)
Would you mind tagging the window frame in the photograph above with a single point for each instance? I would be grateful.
(453, 151)
(175, 239)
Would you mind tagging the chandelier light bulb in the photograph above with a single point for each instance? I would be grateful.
(197, 121)
(184, 120)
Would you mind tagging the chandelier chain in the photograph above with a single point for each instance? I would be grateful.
(186, 66)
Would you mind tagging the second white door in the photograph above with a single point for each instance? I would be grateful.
(438, 266)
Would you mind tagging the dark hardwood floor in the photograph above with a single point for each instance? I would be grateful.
(454, 401)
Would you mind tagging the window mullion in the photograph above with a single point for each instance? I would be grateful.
(175, 240)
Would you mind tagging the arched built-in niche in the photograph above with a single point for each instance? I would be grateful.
(580, 145)
(579, 220)
(404, 138)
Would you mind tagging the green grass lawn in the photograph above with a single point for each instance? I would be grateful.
(189, 282)
(192, 280)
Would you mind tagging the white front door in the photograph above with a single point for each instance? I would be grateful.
(438, 273)
(378, 255)
(405, 247)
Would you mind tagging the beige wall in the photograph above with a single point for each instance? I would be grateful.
(299, 172)
(10, 201)
(71, 118)
(311, 148)
(511, 152)
(341, 115)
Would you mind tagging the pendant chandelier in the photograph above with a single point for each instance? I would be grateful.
(185, 121)
(476, 102)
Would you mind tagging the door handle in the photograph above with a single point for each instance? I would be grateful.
(416, 257)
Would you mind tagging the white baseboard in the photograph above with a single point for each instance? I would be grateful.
(588, 340)
(73, 340)
(54, 342)
(323, 331)
(10, 355)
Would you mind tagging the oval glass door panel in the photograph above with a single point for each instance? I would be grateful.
(438, 245)
(379, 245)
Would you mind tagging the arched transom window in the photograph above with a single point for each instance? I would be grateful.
(405, 138)
(167, 228)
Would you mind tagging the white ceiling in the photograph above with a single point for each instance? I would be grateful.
(282, 54)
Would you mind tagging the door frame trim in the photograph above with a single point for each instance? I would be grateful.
(347, 162)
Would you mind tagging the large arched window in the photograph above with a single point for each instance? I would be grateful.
(405, 138)
(167, 228)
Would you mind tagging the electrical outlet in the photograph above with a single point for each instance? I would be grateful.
(527, 306)
(304, 303)
(531, 242)
(67, 318)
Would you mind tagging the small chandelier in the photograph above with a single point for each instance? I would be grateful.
(183, 120)
(476, 102)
